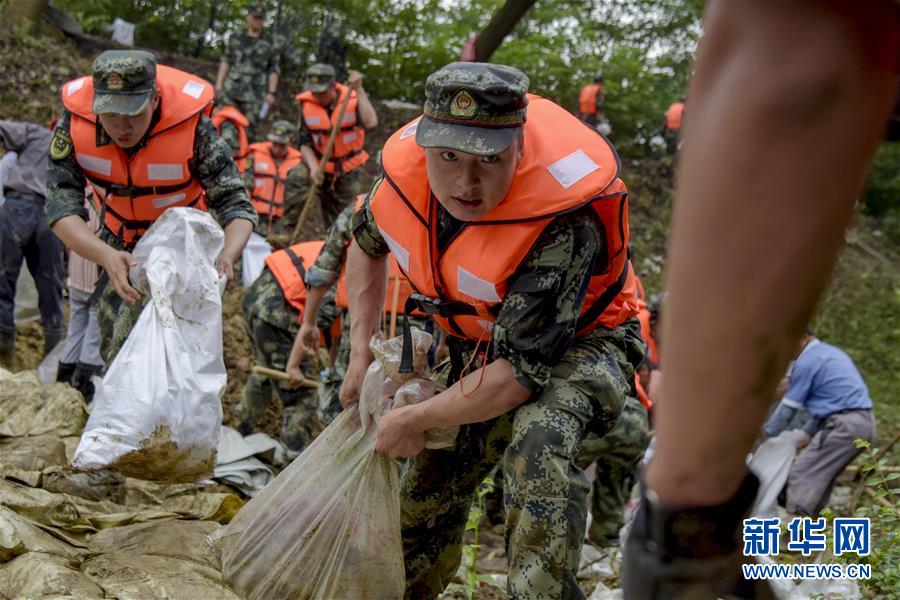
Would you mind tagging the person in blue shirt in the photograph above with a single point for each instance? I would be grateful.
(826, 384)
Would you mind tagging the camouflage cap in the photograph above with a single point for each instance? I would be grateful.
(475, 108)
(281, 132)
(319, 77)
(124, 81)
(256, 10)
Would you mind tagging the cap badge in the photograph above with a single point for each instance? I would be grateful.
(463, 105)
(114, 82)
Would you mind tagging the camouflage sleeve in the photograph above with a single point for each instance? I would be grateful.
(65, 181)
(331, 258)
(219, 176)
(328, 310)
(274, 65)
(536, 322)
(229, 133)
(229, 55)
(304, 137)
(366, 232)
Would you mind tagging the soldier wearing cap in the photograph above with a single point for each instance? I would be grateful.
(249, 70)
(341, 176)
(270, 167)
(507, 216)
(139, 134)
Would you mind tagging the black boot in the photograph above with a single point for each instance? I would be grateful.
(7, 346)
(52, 337)
(82, 379)
(65, 373)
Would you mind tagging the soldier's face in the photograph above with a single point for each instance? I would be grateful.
(127, 131)
(279, 150)
(255, 23)
(470, 186)
(327, 97)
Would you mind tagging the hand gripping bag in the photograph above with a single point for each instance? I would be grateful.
(157, 413)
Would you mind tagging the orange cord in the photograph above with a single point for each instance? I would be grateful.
(469, 364)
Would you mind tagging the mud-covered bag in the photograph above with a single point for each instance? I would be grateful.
(157, 413)
(329, 525)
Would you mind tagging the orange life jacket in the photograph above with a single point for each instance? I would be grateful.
(397, 282)
(565, 166)
(235, 117)
(348, 152)
(646, 329)
(587, 99)
(642, 393)
(134, 191)
(269, 178)
(674, 116)
(289, 268)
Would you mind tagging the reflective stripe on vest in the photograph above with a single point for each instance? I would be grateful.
(269, 178)
(566, 166)
(289, 265)
(348, 152)
(134, 191)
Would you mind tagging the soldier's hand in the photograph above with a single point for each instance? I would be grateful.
(309, 339)
(116, 264)
(353, 379)
(225, 266)
(354, 79)
(316, 174)
(398, 436)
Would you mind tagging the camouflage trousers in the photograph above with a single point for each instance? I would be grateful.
(272, 324)
(334, 195)
(116, 318)
(545, 498)
(330, 390)
(617, 455)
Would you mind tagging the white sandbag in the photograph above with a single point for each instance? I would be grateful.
(157, 413)
(771, 463)
(253, 258)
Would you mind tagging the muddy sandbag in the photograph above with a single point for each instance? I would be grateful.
(32, 453)
(146, 576)
(93, 485)
(187, 540)
(418, 390)
(329, 525)
(18, 535)
(42, 507)
(28, 407)
(157, 413)
(39, 575)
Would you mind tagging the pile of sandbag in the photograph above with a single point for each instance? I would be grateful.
(94, 534)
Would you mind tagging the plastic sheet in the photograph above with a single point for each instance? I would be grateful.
(253, 258)
(157, 412)
(329, 525)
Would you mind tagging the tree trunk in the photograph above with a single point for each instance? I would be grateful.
(18, 10)
(503, 21)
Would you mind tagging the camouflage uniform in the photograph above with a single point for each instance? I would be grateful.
(325, 272)
(229, 132)
(617, 454)
(579, 388)
(336, 191)
(272, 325)
(251, 60)
(212, 165)
(280, 132)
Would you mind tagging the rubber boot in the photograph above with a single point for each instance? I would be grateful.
(52, 337)
(65, 373)
(82, 380)
(7, 346)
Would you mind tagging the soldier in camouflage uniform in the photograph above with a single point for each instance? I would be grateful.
(340, 187)
(272, 323)
(543, 389)
(249, 70)
(126, 102)
(321, 280)
(617, 455)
